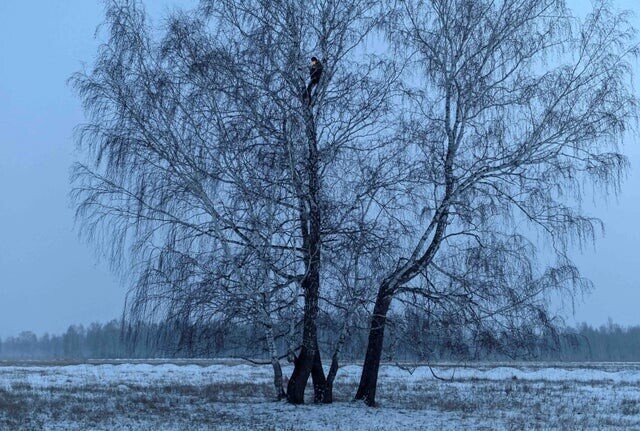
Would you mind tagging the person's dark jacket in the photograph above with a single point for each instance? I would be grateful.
(315, 72)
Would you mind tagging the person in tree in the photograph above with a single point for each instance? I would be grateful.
(315, 72)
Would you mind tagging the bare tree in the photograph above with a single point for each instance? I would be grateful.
(316, 135)
(516, 106)
(169, 186)
(227, 192)
(213, 180)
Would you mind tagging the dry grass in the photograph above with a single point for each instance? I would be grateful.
(508, 404)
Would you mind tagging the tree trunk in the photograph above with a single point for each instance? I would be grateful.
(321, 394)
(275, 362)
(309, 355)
(277, 379)
(298, 380)
(333, 369)
(304, 366)
(310, 229)
(369, 376)
(331, 378)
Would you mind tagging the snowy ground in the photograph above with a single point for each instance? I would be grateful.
(230, 395)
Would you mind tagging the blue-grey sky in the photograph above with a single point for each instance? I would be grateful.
(50, 279)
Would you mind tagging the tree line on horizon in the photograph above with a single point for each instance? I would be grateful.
(113, 340)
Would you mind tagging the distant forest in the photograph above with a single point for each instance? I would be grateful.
(118, 340)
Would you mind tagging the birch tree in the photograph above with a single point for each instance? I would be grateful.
(212, 180)
(515, 109)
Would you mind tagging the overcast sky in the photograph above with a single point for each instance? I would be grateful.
(50, 279)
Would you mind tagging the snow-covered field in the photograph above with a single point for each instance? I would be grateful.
(231, 395)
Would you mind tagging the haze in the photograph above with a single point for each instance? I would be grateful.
(49, 279)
